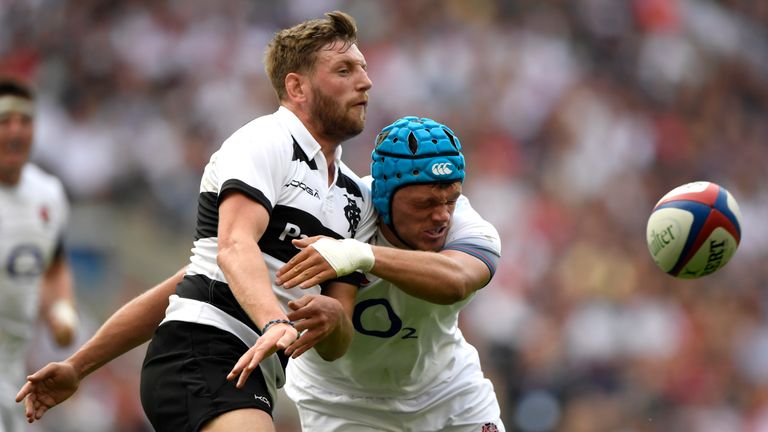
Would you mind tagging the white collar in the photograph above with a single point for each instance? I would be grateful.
(300, 133)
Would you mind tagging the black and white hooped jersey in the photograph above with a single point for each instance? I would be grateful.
(33, 215)
(275, 161)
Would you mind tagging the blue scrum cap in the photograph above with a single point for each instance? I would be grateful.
(413, 150)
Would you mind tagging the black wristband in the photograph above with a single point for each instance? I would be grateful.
(275, 321)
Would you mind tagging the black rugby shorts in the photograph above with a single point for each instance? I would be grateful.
(183, 378)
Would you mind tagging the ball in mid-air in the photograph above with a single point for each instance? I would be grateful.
(694, 230)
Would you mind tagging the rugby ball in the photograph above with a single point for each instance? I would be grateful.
(694, 230)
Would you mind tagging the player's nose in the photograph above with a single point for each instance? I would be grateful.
(364, 83)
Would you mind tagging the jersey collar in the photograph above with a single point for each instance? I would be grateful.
(301, 134)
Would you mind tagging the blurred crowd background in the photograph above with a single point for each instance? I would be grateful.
(576, 117)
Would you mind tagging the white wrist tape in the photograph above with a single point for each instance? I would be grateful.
(63, 313)
(345, 256)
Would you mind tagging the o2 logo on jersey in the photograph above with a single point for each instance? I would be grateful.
(25, 261)
(380, 311)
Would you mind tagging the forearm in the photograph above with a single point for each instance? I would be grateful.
(439, 277)
(57, 284)
(242, 222)
(443, 277)
(336, 343)
(248, 278)
(132, 325)
(57, 302)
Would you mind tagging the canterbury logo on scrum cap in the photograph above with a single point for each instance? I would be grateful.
(442, 168)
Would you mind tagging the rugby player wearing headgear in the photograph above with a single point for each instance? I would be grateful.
(409, 366)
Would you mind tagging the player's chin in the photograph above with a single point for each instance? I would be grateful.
(358, 111)
(14, 161)
(431, 243)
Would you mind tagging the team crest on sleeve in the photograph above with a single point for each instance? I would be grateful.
(490, 427)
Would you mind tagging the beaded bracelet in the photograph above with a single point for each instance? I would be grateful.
(275, 321)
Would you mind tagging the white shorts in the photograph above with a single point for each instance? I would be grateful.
(465, 404)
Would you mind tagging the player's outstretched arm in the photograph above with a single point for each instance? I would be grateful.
(443, 277)
(129, 327)
(323, 258)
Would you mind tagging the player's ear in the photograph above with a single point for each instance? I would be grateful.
(296, 87)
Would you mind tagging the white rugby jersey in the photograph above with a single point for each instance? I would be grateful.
(33, 215)
(275, 161)
(403, 346)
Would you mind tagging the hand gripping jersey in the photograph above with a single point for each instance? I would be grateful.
(404, 352)
(33, 215)
(276, 162)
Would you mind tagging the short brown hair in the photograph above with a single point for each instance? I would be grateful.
(295, 49)
(15, 87)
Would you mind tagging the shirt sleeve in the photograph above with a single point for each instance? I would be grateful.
(254, 168)
(472, 234)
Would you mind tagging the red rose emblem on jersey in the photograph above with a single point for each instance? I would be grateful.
(490, 427)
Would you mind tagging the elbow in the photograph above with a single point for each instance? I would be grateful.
(441, 293)
(233, 249)
(335, 345)
(330, 356)
(331, 352)
(453, 294)
(226, 254)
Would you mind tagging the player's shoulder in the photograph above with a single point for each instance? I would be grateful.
(364, 183)
(368, 181)
(465, 212)
(263, 140)
(270, 128)
(469, 225)
(346, 171)
(349, 180)
(38, 181)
